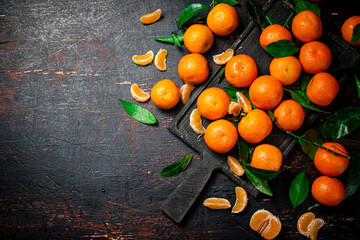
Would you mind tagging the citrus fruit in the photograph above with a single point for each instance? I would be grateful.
(234, 109)
(255, 126)
(143, 60)
(290, 115)
(328, 190)
(151, 17)
(217, 203)
(266, 92)
(221, 136)
(213, 103)
(273, 33)
(322, 89)
(198, 38)
(241, 70)
(315, 57)
(266, 156)
(195, 122)
(241, 200)
(286, 69)
(222, 19)
(185, 92)
(347, 29)
(244, 102)
(306, 26)
(138, 94)
(193, 68)
(160, 59)
(265, 223)
(309, 226)
(224, 57)
(314, 227)
(328, 163)
(235, 166)
(165, 94)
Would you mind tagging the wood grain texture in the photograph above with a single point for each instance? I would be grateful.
(74, 165)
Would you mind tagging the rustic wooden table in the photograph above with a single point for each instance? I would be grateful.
(75, 165)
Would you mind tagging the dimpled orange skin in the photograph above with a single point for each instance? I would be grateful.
(198, 38)
(241, 70)
(274, 33)
(165, 94)
(315, 57)
(328, 163)
(266, 92)
(222, 19)
(266, 156)
(322, 89)
(286, 69)
(290, 115)
(193, 68)
(306, 26)
(347, 29)
(328, 190)
(213, 103)
(221, 136)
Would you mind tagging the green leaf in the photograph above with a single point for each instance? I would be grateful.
(356, 34)
(299, 189)
(341, 123)
(170, 39)
(302, 5)
(357, 82)
(243, 150)
(177, 167)
(265, 174)
(344, 66)
(353, 179)
(270, 21)
(271, 115)
(314, 206)
(231, 91)
(176, 40)
(300, 97)
(193, 20)
(287, 20)
(282, 48)
(139, 113)
(256, 13)
(308, 148)
(230, 2)
(189, 12)
(221, 74)
(304, 81)
(259, 184)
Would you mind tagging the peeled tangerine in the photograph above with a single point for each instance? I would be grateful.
(265, 223)
(195, 122)
(217, 203)
(241, 200)
(224, 57)
(185, 92)
(309, 226)
(160, 59)
(139, 94)
(151, 17)
(145, 59)
(235, 166)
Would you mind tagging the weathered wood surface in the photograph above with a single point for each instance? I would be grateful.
(75, 165)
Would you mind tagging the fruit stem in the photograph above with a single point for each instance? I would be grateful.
(307, 141)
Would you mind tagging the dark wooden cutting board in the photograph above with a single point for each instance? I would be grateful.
(180, 201)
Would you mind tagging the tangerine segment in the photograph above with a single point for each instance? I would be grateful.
(244, 101)
(160, 59)
(234, 109)
(235, 166)
(185, 92)
(241, 200)
(224, 57)
(217, 203)
(259, 218)
(139, 94)
(145, 59)
(304, 222)
(273, 228)
(195, 122)
(314, 227)
(265, 223)
(151, 17)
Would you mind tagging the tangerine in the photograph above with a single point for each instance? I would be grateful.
(273, 33)
(222, 19)
(347, 29)
(221, 136)
(290, 115)
(193, 68)
(198, 38)
(309, 226)
(165, 94)
(306, 26)
(244, 102)
(266, 92)
(322, 89)
(234, 109)
(265, 223)
(213, 103)
(315, 57)
(266, 156)
(328, 190)
(328, 163)
(286, 69)
(241, 70)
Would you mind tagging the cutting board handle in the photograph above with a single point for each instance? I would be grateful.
(183, 197)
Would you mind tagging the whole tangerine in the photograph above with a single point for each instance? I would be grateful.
(328, 190)
(306, 26)
(213, 103)
(193, 68)
(273, 33)
(266, 92)
(315, 57)
(290, 115)
(241, 70)
(286, 69)
(165, 94)
(255, 126)
(322, 89)
(268, 157)
(328, 163)
(198, 38)
(222, 19)
(221, 136)
(347, 29)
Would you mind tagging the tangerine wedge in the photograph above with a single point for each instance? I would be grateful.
(235, 166)
(217, 203)
(241, 200)
(234, 108)
(139, 94)
(151, 17)
(185, 92)
(304, 222)
(265, 223)
(145, 59)
(224, 57)
(160, 59)
(244, 102)
(195, 122)
(314, 227)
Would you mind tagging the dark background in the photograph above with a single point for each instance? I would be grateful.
(75, 165)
